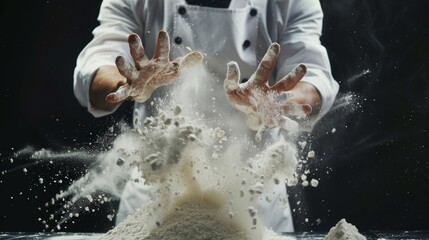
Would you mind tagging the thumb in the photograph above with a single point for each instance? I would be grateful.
(191, 59)
(232, 75)
(121, 94)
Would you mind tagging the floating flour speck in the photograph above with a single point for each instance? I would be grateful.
(314, 182)
(302, 144)
(311, 154)
(42, 153)
(304, 183)
(89, 197)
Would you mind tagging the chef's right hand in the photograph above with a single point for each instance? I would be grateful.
(148, 74)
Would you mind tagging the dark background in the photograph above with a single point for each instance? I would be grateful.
(373, 169)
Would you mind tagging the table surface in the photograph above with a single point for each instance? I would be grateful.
(403, 235)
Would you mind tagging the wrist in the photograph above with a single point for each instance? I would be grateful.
(106, 80)
(307, 93)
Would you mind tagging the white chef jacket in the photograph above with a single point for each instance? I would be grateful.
(242, 33)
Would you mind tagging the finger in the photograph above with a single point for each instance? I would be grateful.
(287, 83)
(137, 51)
(126, 69)
(121, 94)
(266, 65)
(162, 50)
(190, 60)
(232, 77)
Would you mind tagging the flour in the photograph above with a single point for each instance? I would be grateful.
(191, 218)
(344, 231)
(197, 196)
(202, 162)
(206, 172)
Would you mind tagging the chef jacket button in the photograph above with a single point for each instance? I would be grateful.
(244, 80)
(178, 40)
(253, 12)
(182, 10)
(246, 44)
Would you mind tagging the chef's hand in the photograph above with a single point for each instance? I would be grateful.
(271, 106)
(146, 75)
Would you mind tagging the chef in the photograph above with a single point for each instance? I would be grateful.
(141, 45)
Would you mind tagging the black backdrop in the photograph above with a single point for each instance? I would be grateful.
(373, 169)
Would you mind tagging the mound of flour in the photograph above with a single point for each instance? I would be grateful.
(193, 217)
(344, 231)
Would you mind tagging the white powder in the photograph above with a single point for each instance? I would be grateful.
(205, 179)
(206, 171)
(311, 154)
(314, 182)
(197, 196)
(344, 231)
(42, 153)
(192, 217)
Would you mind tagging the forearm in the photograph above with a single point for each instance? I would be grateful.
(106, 80)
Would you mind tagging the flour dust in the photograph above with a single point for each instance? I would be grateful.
(207, 172)
(198, 156)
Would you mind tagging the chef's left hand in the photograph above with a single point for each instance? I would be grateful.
(271, 106)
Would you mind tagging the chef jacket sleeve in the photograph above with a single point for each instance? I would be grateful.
(300, 43)
(117, 20)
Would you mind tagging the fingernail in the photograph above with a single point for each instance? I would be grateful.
(119, 60)
(111, 98)
(162, 34)
(134, 39)
(301, 68)
(232, 70)
(232, 66)
(197, 56)
(275, 47)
